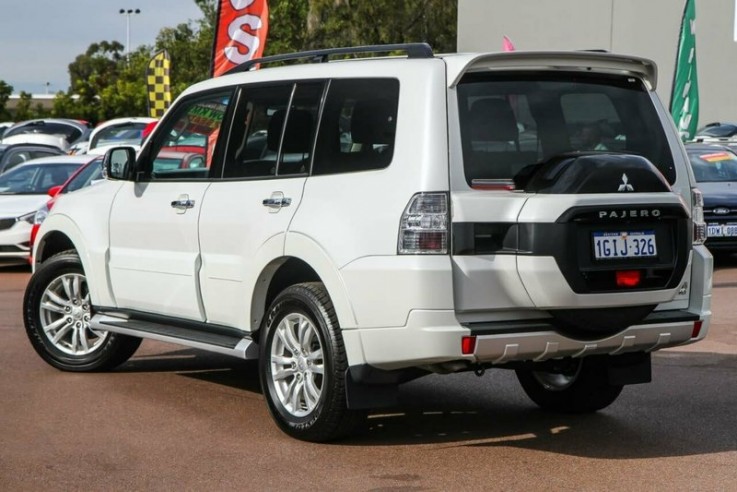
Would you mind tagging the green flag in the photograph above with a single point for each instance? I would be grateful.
(684, 101)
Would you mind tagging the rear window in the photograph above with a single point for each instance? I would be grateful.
(511, 121)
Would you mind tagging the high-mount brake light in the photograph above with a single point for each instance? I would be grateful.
(423, 228)
(697, 216)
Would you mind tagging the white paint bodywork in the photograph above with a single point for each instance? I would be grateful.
(208, 263)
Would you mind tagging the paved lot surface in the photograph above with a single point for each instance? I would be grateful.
(179, 419)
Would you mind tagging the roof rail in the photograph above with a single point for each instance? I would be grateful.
(413, 50)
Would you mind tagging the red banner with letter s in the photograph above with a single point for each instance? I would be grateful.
(240, 33)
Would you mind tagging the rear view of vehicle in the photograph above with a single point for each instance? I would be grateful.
(576, 233)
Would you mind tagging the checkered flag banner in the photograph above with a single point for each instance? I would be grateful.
(157, 80)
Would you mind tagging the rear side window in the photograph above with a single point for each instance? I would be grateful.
(511, 121)
(273, 131)
(358, 126)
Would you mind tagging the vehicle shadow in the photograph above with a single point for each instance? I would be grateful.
(688, 409)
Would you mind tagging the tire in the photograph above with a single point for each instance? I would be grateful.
(57, 313)
(302, 366)
(576, 386)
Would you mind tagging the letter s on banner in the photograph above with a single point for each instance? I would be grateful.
(240, 33)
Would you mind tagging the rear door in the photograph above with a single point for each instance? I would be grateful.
(245, 214)
(154, 246)
(533, 227)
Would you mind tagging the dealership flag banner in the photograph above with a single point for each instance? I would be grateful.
(240, 33)
(157, 81)
(684, 101)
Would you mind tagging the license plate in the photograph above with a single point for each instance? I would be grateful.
(721, 230)
(627, 244)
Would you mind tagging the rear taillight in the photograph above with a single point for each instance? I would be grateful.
(423, 228)
(697, 216)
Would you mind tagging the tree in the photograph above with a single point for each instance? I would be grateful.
(5, 91)
(23, 110)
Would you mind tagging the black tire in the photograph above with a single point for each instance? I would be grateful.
(56, 304)
(576, 386)
(303, 377)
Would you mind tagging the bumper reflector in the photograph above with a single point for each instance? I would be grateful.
(696, 328)
(628, 278)
(468, 345)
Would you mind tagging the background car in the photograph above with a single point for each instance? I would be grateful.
(4, 126)
(15, 154)
(116, 132)
(23, 190)
(68, 129)
(715, 170)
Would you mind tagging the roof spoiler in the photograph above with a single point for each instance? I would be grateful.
(562, 60)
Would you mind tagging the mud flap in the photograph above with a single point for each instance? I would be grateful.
(634, 368)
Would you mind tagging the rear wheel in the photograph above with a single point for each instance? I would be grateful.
(303, 365)
(57, 313)
(571, 386)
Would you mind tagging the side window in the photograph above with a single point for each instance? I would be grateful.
(260, 144)
(185, 146)
(358, 126)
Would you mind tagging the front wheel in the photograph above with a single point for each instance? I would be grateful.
(570, 386)
(302, 366)
(57, 313)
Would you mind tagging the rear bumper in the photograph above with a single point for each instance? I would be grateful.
(539, 341)
(434, 337)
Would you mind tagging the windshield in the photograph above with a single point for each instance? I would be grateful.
(122, 134)
(35, 179)
(712, 165)
(510, 121)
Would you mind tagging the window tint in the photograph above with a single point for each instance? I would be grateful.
(260, 144)
(358, 126)
(185, 146)
(510, 121)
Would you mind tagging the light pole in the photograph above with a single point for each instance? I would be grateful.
(127, 13)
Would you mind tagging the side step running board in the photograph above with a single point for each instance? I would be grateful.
(242, 347)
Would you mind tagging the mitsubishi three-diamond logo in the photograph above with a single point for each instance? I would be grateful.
(625, 186)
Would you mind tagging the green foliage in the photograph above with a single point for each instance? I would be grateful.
(107, 84)
(24, 111)
(5, 91)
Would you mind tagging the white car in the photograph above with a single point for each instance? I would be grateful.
(23, 190)
(115, 132)
(359, 223)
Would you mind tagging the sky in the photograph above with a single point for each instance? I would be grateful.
(40, 38)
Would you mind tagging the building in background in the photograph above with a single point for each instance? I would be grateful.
(643, 28)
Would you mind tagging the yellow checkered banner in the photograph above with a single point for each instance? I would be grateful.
(157, 80)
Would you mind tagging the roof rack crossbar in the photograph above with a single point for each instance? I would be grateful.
(413, 50)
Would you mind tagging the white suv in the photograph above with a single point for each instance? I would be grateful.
(354, 224)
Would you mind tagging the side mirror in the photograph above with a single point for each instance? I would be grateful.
(54, 190)
(118, 163)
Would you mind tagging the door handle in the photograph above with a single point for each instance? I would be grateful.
(182, 204)
(277, 202)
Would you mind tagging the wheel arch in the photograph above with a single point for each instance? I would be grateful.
(59, 233)
(285, 271)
